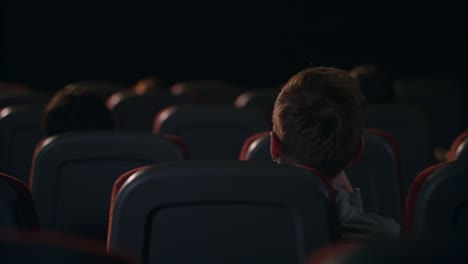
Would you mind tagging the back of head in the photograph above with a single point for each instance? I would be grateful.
(76, 109)
(149, 85)
(318, 119)
(374, 82)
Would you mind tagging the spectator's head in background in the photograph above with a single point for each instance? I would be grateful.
(149, 85)
(318, 120)
(75, 109)
(375, 83)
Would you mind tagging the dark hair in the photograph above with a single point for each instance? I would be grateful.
(375, 83)
(318, 119)
(76, 109)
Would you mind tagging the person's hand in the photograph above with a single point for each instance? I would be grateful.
(342, 181)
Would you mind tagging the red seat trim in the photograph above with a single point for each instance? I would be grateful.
(24, 194)
(452, 155)
(396, 150)
(248, 142)
(115, 190)
(410, 205)
(179, 143)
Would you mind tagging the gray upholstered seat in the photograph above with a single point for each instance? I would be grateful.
(210, 131)
(437, 201)
(221, 211)
(20, 131)
(17, 209)
(73, 175)
(137, 112)
(409, 127)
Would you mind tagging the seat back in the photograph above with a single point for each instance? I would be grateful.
(73, 175)
(103, 88)
(210, 131)
(459, 148)
(17, 209)
(20, 131)
(443, 102)
(376, 173)
(14, 98)
(228, 211)
(25, 248)
(409, 127)
(137, 112)
(261, 100)
(256, 147)
(437, 202)
(207, 91)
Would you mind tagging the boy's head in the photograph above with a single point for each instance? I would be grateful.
(318, 120)
(76, 109)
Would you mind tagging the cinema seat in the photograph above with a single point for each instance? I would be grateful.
(17, 98)
(210, 131)
(459, 148)
(256, 147)
(137, 112)
(444, 102)
(376, 173)
(207, 91)
(222, 211)
(20, 131)
(104, 88)
(260, 100)
(26, 248)
(437, 201)
(409, 127)
(17, 209)
(73, 175)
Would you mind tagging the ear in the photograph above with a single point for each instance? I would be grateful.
(275, 149)
(358, 152)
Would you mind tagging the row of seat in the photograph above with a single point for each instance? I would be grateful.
(201, 125)
(407, 124)
(246, 211)
(65, 165)
(456, 211)
(113, 153)
(446, 98)
(20, 130)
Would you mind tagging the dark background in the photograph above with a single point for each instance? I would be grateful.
(50, 43)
